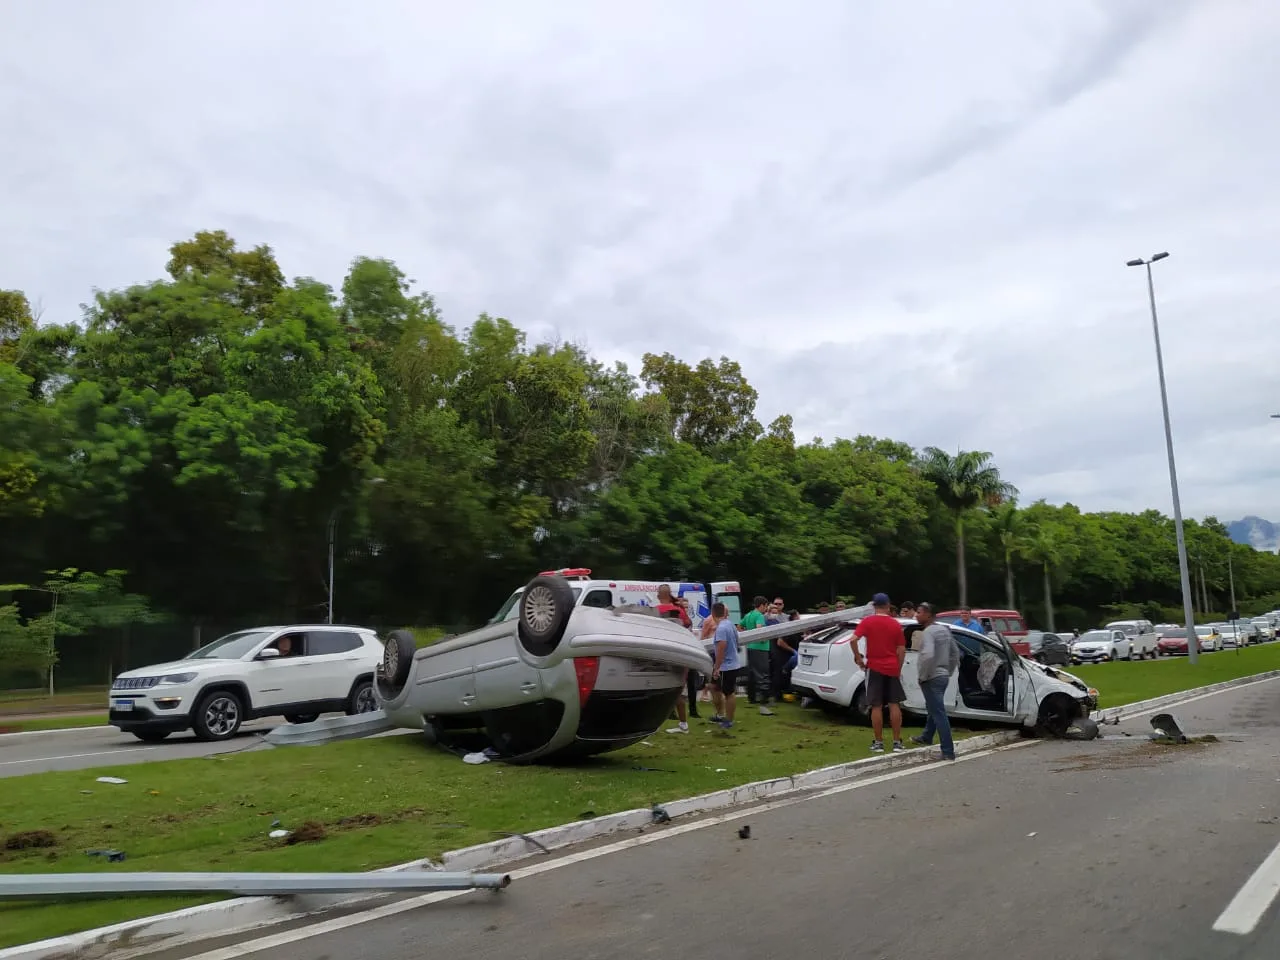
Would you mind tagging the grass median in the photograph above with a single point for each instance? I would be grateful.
(1128, 682)
(378, 802)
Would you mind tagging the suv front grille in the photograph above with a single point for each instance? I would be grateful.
(134, 683)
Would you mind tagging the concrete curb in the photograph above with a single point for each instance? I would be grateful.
(194, 924)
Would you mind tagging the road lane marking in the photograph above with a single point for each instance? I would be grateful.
(1248, 906)
(76, 756)
(274, 941)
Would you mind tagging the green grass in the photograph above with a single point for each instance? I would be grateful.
(55, 722)
(426, 636)
(34, 701)
(1124, 682)
(215, 813)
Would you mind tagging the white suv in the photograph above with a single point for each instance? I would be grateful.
(296, 672)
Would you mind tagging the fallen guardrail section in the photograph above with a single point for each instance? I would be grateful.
(329, 730)
(74, 886)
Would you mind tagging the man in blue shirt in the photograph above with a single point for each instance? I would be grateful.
(969, 622)
(727, 662)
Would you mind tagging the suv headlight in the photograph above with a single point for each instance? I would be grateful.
(178, 678)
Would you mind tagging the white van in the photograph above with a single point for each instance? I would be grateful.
(596, 592)
(1141, 634)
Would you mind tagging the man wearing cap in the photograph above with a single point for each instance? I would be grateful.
(882, 663)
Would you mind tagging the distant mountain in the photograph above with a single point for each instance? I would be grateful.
(1256, 532)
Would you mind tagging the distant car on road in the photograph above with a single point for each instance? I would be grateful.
(296, 672)
(1141, 635)
(1172, 642)
(1210, 639)
(1266, 629)
(552, 677)
(1101, 646)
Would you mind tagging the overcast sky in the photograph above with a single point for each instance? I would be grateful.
(903, 219)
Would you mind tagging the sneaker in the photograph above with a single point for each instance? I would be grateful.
(877, 746)
(898, 747)
(680, 728)
(766, 712)
(726, 724)
(920, 740)
(718, 718)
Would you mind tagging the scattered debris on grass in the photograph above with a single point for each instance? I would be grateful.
(111, 856)
(309, 832)
(278, 834)
(361, 820)
(30, 840)
(112, 780)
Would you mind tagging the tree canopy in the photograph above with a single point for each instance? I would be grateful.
(203, 432)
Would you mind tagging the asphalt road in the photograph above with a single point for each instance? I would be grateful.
(22, 753)
(1110, 849)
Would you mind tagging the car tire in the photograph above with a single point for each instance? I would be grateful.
(397, 657)
(1056, 714)
(218, 716)
(545, 608)
(151, 736)
(302, 717)
(362, 699)
(859, 708)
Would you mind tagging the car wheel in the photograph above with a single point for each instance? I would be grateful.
(397, 657)
(301, 717)
(859, 708)
(362, 699)
(545, 608)
(218, 716)
(151, 736)
(1056, 714)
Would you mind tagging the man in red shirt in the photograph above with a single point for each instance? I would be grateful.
(886, 649)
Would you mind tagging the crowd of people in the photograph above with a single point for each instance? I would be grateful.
(767, 664)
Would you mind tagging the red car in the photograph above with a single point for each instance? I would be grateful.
(1172, 642)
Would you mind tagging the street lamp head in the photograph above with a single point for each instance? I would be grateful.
(1159, 256)
(1136, 263)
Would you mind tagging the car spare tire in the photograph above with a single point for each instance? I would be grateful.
(397, 657)
(545, 608)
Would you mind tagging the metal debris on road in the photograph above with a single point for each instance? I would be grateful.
(744, 832)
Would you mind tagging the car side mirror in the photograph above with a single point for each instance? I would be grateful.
(267, 653)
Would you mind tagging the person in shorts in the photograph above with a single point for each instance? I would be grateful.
(727, 663)
(885, 651)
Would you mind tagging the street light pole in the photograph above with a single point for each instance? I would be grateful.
(332, 536)
(1184, 568)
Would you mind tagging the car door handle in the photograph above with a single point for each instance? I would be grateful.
(528, 686)
(468, 698)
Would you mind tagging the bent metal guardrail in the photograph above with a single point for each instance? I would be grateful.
(69, 886)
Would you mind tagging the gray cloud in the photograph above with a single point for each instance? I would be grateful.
(906, 220)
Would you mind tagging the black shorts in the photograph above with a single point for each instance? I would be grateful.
(882, 689)
(729, 681)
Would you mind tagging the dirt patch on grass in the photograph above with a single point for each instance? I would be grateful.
(1144, 753)
(30, 840)
(310, 832)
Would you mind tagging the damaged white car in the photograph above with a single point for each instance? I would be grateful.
(992, 684)
(550, 679)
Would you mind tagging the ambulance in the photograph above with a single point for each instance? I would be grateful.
(593, 592)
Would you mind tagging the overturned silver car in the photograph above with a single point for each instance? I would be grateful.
(551, 679)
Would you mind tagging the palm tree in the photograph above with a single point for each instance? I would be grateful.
(1010, 528)
(964, 482)
(1045, 547)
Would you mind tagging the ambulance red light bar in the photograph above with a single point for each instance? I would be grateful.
(569, 573)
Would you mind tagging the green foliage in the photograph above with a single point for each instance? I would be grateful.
(205, 431)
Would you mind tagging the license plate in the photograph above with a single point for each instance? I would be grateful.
(121, 704)
(806, 659)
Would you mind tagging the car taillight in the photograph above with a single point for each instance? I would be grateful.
(587, 669)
